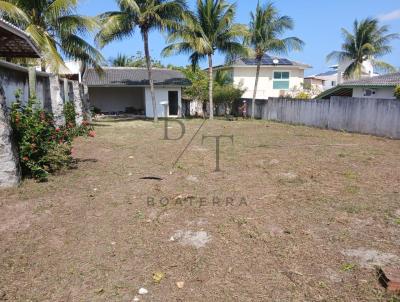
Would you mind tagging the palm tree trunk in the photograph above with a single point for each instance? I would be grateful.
(210, 86)
(253, 102)
(149, 67)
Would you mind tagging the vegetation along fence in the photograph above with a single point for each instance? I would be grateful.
(51, 91)
(369, 116)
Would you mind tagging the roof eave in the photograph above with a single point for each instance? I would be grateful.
(18, 32)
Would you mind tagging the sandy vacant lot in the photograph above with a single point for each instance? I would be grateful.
(297, 214)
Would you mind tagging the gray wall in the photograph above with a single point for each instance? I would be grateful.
(114, 99)
(14, 77)
(370, 116)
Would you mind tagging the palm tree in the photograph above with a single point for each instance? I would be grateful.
(367, 42)
(147, 15)
(121, 61)
(56, 28)
(266, 27)
(211, 28)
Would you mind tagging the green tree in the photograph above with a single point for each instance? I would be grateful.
(121, 61)
(198, 89)
(147, 15)
(266, 28)
(138, 61)
(368, 41)
(225, 92)
(209, 29)
(397, 92)
(56, 28)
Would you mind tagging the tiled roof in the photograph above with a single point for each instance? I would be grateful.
(14, 42)
(387, 80)
(128, 76)
(267, 60)
(327, 73)
(391, 79)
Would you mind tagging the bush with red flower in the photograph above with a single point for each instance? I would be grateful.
(43, 147)
(70, 115)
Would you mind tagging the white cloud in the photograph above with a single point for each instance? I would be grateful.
(393, 15)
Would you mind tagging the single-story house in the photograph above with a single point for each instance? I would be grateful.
(127, 90)
(277, 76)
(378, 87)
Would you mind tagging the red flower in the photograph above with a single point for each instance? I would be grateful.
(57, 129)
(92, 133)
(25, 158)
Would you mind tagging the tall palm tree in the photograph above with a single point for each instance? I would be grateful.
(209, 29)
(266, 27)
(56, 28)
(368, 41)
(148, 15)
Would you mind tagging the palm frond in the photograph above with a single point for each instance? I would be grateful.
(58, 8)
(383, 67)
(13, 12)
(115, 26)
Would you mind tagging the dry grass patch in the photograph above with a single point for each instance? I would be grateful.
(299, 215)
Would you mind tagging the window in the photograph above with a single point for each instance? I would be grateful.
(281, 80)
(369, 92)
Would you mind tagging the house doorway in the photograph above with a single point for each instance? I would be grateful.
(173, 102)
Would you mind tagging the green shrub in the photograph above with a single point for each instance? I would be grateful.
(39, 140)
(397, 92)
(302, 95)
(70, 114)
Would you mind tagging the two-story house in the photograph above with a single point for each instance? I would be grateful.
(278, 76)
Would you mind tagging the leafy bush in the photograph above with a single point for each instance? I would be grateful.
(43, 148)
(70, 114)
(302, 95)
(397, 92)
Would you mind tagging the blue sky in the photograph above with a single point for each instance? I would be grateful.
(317, 23)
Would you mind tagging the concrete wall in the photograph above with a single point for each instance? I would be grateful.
(380, 93)
(14, 77)
(49, 90)
(9, 165)
(245, 76)
(161, 96)
(370, 116)
(115, 99)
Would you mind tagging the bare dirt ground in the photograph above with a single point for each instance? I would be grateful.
(297, 214)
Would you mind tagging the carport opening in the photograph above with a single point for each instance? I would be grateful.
(118, 100)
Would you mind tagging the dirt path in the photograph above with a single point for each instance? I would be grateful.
(297, 214)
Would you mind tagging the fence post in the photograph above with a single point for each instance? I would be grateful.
(66, 90)
(78, 103)
(57, 103)
(10, 174)
(86, 102)
(32, 81)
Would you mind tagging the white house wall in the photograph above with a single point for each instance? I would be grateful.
(246, 77)
(380, 93)
(161, 97)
